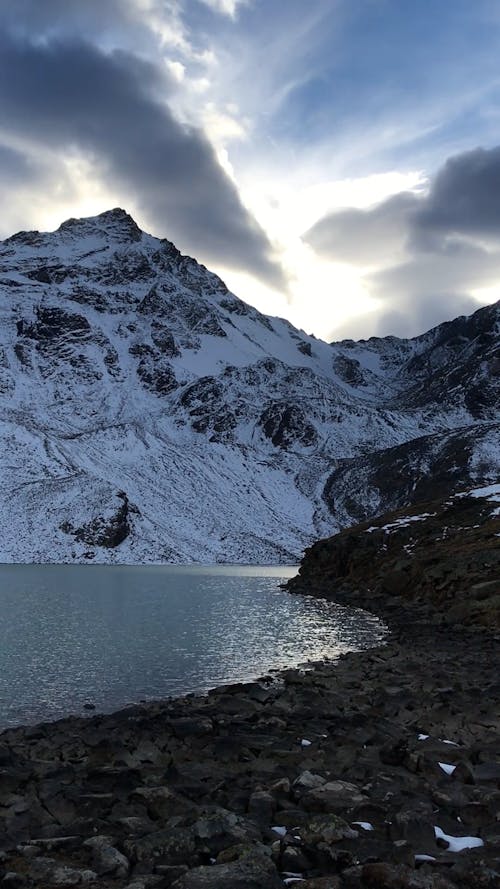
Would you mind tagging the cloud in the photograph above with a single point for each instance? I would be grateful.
(225, 7)
(16, 167)
(423, 256)
(68, 95)
(463, 199)
(365, 237)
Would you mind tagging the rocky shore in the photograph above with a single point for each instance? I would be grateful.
(381, 771)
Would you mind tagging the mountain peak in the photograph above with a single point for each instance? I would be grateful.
(116, 222)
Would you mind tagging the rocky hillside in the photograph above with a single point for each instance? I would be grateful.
(442, 556)
(147, 414)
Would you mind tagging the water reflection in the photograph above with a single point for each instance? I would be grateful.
(116, 634)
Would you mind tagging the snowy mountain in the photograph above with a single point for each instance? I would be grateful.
(147, 414)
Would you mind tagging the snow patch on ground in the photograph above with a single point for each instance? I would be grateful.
(401, 523)
(458, 844)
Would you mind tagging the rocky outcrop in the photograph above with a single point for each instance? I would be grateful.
(442, 555)
(286, 425)
(107, 530)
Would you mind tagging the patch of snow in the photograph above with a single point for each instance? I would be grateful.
(279, 829)
(447, 767)
(364, 824)
(305, 743)
(457, 844)
(401, 523)
(492, 492)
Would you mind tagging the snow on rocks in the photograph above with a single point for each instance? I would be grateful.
(401, 523)
(447, 767)
(458, 844)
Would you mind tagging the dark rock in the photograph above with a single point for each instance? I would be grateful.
(387, 876)
(107, 531)
(331, 882)
(416, 828)
(349, 370)
(334, 796)
(326, 829)
(286, 425)
(13, 880)
(157, 375)
(53, 872)
(261, 806)
(188, 727)
(252, 870)
(106, 860)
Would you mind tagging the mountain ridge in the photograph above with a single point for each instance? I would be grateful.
(148, 414)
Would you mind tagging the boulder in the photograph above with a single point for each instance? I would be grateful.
(107, 860)
(334, 796)
(252, 870)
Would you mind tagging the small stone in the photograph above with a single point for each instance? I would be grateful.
(261, 805)
(13, 880)
(403, 853)
(307, 781)
(464, 773)
(327, 829)
(107, 859)
(333, 796)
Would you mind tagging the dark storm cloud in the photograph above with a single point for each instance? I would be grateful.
(464, 198)
(426, 252)
(69, 95)
(364, 237)
(16, 168)
(50, 17)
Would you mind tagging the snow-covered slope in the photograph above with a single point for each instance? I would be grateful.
(147, 414)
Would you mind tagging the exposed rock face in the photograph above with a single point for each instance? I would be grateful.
(106, 530)
(286, 425)
(125, 366)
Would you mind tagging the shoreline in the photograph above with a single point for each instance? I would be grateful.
(186, 792)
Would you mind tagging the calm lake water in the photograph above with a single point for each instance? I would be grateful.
(107, 635)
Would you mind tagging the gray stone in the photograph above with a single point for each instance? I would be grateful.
(307, 781)
(252, 870)
(161, 802)
(107, 859)
(416, 828)
(13, 880)
(174, 845)
(261, 805)
(326, 829)
(59, 874)
(333, 797)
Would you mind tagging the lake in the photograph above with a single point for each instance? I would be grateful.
(113, 635)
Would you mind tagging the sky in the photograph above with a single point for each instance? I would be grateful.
(336, 162)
